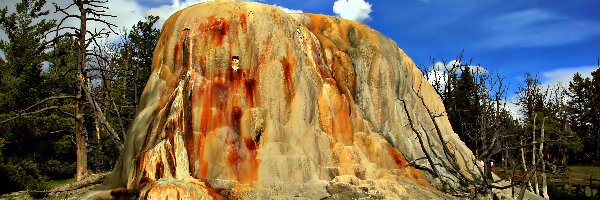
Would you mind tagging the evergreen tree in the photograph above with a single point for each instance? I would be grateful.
(24, 54)
(530, 98)
(580, 114)
(142, 40)
(21, 86)
(595, 116)
(133, 65)
(465, 111)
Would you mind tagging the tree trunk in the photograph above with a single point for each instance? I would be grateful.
(565, 157)
(487, 171)
(524, 163)
(533, 159)
(80, 135)
(544, 186)
(80, 139)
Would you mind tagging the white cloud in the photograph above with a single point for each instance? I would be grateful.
(128, 12)
(565, 75)
(287, 10)
(358, 10)
(438, 72)
(551, 79)
(165, 11)
(537, 28)
(456, 65)
(513, 109)
(131, 9)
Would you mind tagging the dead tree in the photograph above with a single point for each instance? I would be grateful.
(490, 137)
(544, 185)
(86, 11)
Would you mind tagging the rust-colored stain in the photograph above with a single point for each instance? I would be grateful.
(216, 99)
(250, 85)
(397, 156)
(288, 64)
(178, 57)
(139, 168)
(243, 20)
(416, 174)
(342, 126)
(323, 70)
(403, 164)
(234, 156)
(222, 104)
(215, 194)
(171, 161)
(160, 169)
(334, 114)
(216, 28)
(236, 116)
(203, 65)
(250, 144)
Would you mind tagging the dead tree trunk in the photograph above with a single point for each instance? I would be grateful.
(86, 11)
(533, 152)
(525, 171)
(80, 139)
(544, 185)
(81, 142)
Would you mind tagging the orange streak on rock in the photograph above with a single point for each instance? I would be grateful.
(416, 174)
(323, 70)
(222, 104)
(215, 28)
(243, 19)
(160, 169)
(397, 156)
(403, 164)
(214, 194)
(171, 159)
(233, 158)
(250, 85)
(288, 64)
(178, 55)
(342, 126)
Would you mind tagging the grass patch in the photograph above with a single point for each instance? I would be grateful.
(585, 170)
(60, 182)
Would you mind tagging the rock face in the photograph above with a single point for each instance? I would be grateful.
(320, 107)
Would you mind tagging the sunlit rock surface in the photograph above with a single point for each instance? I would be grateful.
(315, 110)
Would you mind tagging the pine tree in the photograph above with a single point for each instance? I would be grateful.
(580, 113)
(595, 116)
(466, 107)
(142, 40)
(21, 86)
(133, 65)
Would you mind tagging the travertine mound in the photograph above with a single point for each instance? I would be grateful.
(320, 107)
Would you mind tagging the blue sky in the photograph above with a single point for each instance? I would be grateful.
(553, 38)
(512, 37)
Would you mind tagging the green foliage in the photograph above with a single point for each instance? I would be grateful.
(558, 192)
(24, 52)
(23, 174)
(37, 104)
(26, 139)
(463, 106)
(583, 115)
(132, 66)
(530, 98)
